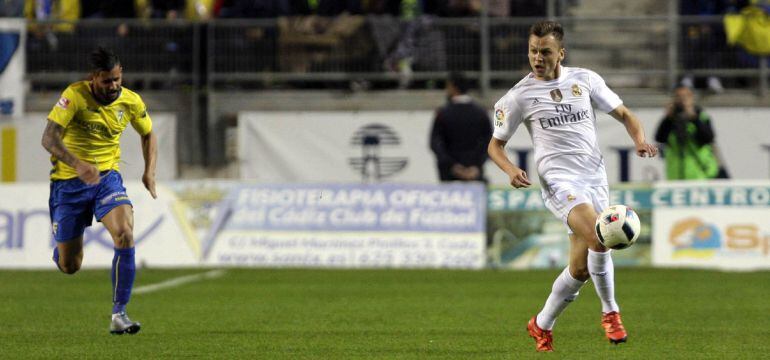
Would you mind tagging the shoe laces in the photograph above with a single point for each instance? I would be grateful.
(545, 339)
(123, 316)
(613, 322)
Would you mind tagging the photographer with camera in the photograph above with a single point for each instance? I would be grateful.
(690, 151)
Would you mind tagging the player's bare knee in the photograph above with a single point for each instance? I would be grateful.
(592, 240)
(124, 239)
(580, 273)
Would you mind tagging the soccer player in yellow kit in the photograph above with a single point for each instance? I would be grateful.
(83, 137)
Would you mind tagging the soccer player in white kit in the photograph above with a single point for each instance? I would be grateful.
(554, 103)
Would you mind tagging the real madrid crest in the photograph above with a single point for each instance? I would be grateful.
(556, 95)
(576, 91)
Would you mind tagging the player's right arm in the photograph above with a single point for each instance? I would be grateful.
(52, 142)
(517, 176)
(58, 119)
(507, 118)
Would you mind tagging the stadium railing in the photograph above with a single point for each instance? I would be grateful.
(638, 52)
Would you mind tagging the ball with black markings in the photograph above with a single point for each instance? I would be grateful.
(618, 227)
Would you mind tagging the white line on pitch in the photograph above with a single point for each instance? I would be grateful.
(170, 283)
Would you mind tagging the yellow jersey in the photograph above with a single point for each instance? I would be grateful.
(92, 130)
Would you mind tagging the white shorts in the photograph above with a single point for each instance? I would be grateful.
(560, 197)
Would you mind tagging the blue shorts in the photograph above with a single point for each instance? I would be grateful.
(73, 204)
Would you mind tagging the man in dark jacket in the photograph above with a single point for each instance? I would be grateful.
(461, 131)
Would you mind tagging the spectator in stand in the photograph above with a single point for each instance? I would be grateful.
(11, 8)
(433, 7)
(111, 9)
(463, 8)
(502, 8)
(460, 133)
(218, 6)
(51, 38)
(167, 9)
(42, 10)
(499, 8)
(299, 7)
(383, 7)
(522, 8)
(450, 8)
(199, 9)
(253, 8)
(337, 7)
(703, 43)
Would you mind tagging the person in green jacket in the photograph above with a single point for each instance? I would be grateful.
(688, 137)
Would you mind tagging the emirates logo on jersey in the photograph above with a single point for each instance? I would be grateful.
(556, 95)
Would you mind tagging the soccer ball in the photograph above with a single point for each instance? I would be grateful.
(618, 227)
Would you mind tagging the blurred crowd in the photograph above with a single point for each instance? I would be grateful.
(698, 38)
(397, 36)
(298, 36)
(239, 9)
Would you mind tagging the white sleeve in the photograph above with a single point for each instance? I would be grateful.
(604, 98)
(507, 117)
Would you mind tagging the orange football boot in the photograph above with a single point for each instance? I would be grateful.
(543, 338)
(613, 327)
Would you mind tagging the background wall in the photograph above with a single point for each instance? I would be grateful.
(33, 163)
(321, 146)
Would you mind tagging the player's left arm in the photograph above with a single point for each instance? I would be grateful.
(635, 131)
(150, 153)
(142, 123)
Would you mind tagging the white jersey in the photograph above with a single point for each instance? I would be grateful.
(561, 122)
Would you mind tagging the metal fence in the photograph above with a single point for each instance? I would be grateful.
(641, 52)
(148, 49)
(191, 63)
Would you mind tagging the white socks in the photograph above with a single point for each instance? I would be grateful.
(603, 276)
(565, 290)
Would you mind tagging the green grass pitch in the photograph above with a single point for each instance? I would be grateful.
(381, 314)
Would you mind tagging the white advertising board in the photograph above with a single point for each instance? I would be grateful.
(26, 240)
(338, 147)
(13, 37)
(723, 225)
(219, 223)
(350, 226)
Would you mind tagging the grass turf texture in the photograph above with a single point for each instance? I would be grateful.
(388, 314)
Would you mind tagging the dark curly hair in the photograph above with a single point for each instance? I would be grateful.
(102, 59)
